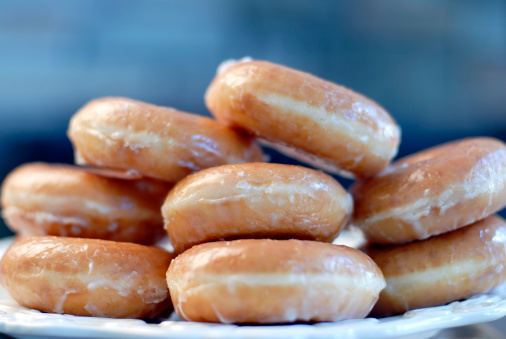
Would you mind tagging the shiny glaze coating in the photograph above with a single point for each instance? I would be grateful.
(317, 121)
(433, 191)
(43, 199)
(255, 200)
(157, 142)
(273, 281)
(448, 267)
(87, 277)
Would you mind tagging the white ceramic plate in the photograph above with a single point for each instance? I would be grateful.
(21, 322)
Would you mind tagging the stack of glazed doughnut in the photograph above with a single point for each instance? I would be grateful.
(85, 232)
(252, 241)
(433, 214)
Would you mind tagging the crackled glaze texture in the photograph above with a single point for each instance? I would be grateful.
(448, 267)
(158, 142)
(43, 199)
(255, 200)
(87, 277)
(273, 281)
(432, 192)
(312, 119)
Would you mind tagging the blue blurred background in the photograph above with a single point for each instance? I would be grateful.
(439, 67)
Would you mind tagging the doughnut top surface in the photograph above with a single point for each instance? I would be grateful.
(57, 181)
(255, 200)
(87, 277)
(94, 255)
(478, 242)
(154, 141)
(456, 164)
(325, 123)
(274, 256)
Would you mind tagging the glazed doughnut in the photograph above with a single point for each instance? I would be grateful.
(157, 142)
(255, 200)
(273, 281)
(43, 199)
(319, 122)
(87, 277)
(448, 267)
(432, 192)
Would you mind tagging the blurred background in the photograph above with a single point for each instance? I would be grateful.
(439, 67)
